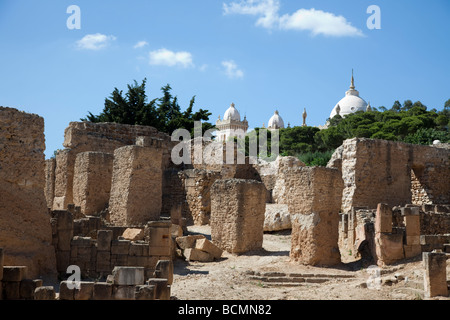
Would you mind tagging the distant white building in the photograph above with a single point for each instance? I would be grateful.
(351, 103)
(231, 125)
(276, 122)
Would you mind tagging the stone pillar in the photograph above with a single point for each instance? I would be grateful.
(50, 166)
(435, 275)
(92, 181)
(383, 218)
(411, 218)
(65, 162)
(314, 200)
(136, 188)
(237, 214)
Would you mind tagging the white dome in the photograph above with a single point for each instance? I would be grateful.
(351, 103)
(276, 122)
(232, 114)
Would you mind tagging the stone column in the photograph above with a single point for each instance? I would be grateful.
(411, 218)
(136, 187)
(237, 214)
(435, 275)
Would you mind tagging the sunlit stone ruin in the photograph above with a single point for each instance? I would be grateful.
(113, 205)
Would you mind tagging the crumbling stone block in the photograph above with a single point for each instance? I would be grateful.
(102, 291)
(237, 214)
(314, 201)
(164, 270)
(128, 276)
(188, 241)
(44, 293)
(27, 288)
(104, 238)
(92, 181)
(435, 275)
(84, 291)
(162, 289)
(145, 292)
(133, 234)
(209, 247)
(64, 292)
(383, 218)
(136, 191)
(193, 254)
(14, 273)
(124, 292)
(11, 290)
(159, 238)
(389, 247)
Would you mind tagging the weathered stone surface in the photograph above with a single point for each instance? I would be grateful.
(145, 292)
(102, 291)
(395, 173)
(164, 270)
(389, 247)
(188, 241)
(84, 291)
(27, 288)
(11, 290)
(44, 293)
(237, 214)
(209, 247)
(14, 273)
(435, 275)
(162, 289)
(313, 196)
(277, 217)
(50, 167)
(104, 238)
(64, 292)
(128, 276)
(193, 254)
(124, 292)
(26, 233)
(136, 191)
(92, 181)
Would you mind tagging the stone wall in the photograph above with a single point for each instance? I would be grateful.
(25, 231)
(136, 188)
(237, 214)
(313, 196)
(92, 181)
(102, 137)
(97, 247)
(376, 171)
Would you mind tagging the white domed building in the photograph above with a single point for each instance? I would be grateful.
(276, 122)
(231, 125)
(351, 103)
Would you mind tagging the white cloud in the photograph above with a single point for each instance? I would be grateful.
(140, 44)
(95, 41)
(169, 58)
(319, 22)
(232, 70)
(315, 21)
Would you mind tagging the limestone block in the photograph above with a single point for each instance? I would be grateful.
(435, 275)
(27, 287)
(104, 238)
(277, 217)
(145, 292)
(1, 264)
(162, 289)
(164, 270)
(412, 250)
(120, 247)
(237, 214)
(92, 181)
(128, 276)
(44, 293)
(188, 241)
(412, 224)
(62, 260)
(138, 249)
(389, 247)
(64, 292)
(136, 189)
(14, 273)
(133, 234)
(85, 291)
(122, 292)
(192, 254)
(209, 247)
(383, 218)
(102, 291)
(11, 290)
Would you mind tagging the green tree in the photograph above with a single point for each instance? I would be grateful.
(163, 113)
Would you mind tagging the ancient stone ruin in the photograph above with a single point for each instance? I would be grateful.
(115, 205)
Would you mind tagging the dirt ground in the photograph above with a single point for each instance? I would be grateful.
(267, 275)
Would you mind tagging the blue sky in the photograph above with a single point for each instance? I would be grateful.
(262, 55)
